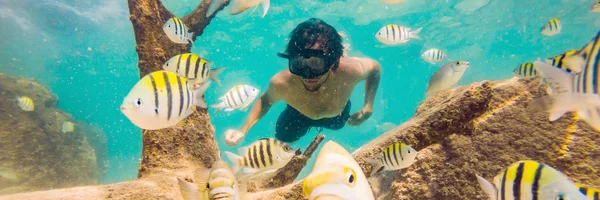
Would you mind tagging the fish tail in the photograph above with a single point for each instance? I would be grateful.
(218, 107)
(235, 161)
(213, 7)
(376, 166)
(214, 75)
(199, 94)
(415, 34)
(191, 38)
(188, 190)
(265, 5)
(487, 187)
(237, 6)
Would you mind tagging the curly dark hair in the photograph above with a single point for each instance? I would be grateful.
(314, 31)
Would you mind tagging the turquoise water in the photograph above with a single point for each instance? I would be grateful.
(85, 52)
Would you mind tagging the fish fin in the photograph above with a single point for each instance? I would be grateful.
(218, 106)
(415, 34)
(237, 7)
(188, 190)
(559, 104)
(213, 7)
(376, 166)
(214, 73)
(560, 81)
(270, 171)
(235, 161)
(575, 62)
(242, 150)
(191, 38)
(266, 4)
(202, 175)
(487, 187)
(589, 119)
(199, 94)
(228, 109)
(247, 170)
(245, 108)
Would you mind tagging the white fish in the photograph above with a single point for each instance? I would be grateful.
(446, 76)
(394, 157)
(177, 31)
(25, 103)
(264, 155)
(194, 67)
(238, 97)
(392, 34)
(596, 6)
(336, 175)
(434, 55)
(68, 127)
(238, 6)
(162, 99)
(393, 1)
(552, 28)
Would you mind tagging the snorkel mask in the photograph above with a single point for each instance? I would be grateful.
(311, 63)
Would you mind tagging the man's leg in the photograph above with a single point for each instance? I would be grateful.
(291, 125)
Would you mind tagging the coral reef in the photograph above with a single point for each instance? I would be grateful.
(36, 154)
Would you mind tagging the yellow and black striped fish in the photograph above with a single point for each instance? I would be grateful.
(263, 155)
(525, 70)
(25, 103)
(591, 193)
(574, 92)
(162, 99)
(529, 180)
(557, 61)
(393, 34)
(193, 67)
(177, 31)
(552, 28)
(395, 156)
(238, 97)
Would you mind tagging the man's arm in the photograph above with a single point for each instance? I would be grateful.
(370, 71)
(371, 75)
(261, 107)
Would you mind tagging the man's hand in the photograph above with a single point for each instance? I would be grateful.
(233, 137)
(359, 117)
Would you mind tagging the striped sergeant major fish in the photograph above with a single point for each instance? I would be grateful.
(434, 55)
(162, 99)
(177, 31)
(552, 28)
(215, 183)
(265, 155)
(557, 61)
(525, 70)
(194, 67)
(394, 157)
(393, 34)
(25, 103)
(591, 193)
(528, 180)
(237, 6)
(238, 97)
(574, 92)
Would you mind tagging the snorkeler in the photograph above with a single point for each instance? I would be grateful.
(317, 86)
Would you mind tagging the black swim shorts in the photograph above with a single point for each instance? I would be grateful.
(292, 124)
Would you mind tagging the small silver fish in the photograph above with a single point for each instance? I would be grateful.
(552, 28)
(525, 70)
(237, 6)
(446, 76)
(238, 97)
(264, 155)
(434, 56)
(393, 34)
(177, 31)
(394, 157)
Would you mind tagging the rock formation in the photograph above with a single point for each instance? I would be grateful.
(480, 128)
(35, 153)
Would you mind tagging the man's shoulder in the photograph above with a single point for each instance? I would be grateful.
(354, 65)
(280, 79)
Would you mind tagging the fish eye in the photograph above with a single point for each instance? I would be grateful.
(458, 63)
(409, 151)
(138, 103)
(208, 185)
(350, 176)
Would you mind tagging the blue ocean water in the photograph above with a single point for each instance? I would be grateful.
(84, 50)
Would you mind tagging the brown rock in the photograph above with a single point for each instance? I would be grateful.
(35, 153)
